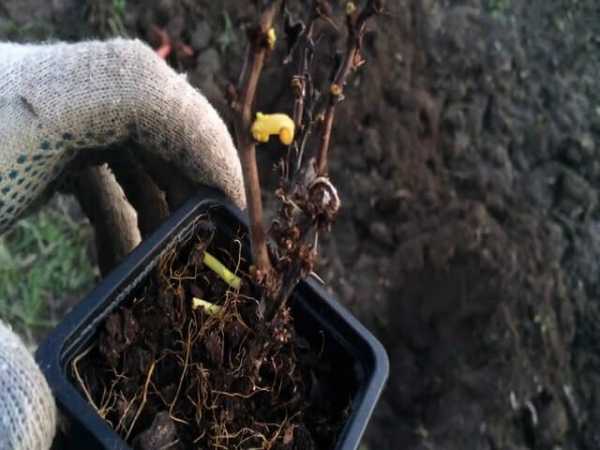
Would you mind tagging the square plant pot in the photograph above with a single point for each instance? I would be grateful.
(318, 317)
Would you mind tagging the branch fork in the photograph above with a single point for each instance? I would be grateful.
(309, 201)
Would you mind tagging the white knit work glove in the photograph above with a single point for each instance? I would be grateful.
(58, 99)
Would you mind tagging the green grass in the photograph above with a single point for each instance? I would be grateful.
(33, 30)
(119, 7)
(106, 17)
(228, 36)
(44, 269)
(498, 7)
(116, 18)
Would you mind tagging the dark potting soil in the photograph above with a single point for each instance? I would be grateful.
(466, 155)
(165, 375)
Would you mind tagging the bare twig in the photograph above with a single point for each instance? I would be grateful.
(310, 201)
(299, 81)
(356, 22)
(255, 59)
(300, 86)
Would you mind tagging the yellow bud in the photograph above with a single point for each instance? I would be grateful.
(350, 8)
(271, 38)
(335, 89)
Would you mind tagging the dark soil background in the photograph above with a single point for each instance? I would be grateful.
(467, 159)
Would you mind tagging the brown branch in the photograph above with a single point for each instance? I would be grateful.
(309, 202)
(356, 23)
(299, 86)
(141, 191)
(114, 220)
(299, 80)
(253, 65)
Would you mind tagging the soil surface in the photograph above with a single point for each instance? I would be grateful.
(466, 156)
(164, 374)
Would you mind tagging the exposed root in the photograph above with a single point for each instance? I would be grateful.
(144, 399)
(228, 380)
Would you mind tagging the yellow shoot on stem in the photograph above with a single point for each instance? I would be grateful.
(350, 8)
(278, 124)
(271, 38)
(209, 308)
(216, 266)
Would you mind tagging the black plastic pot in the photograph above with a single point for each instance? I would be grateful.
(317, 316)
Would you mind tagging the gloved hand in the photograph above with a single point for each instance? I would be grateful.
(56, 100)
